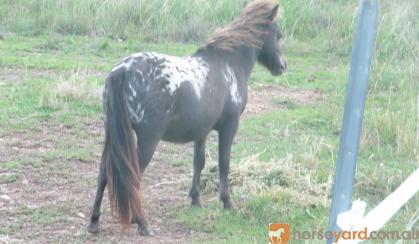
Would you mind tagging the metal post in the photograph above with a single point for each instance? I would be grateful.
(354, 109)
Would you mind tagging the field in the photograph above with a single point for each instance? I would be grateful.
(55, 56)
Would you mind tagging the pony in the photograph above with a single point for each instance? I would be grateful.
(150, 97)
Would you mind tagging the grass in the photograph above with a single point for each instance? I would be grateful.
(56, 55)
(9, 178)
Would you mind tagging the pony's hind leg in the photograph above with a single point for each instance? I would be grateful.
(146, 146)
(93, 226)
(198, 165)
(143, 228)
(147, 141)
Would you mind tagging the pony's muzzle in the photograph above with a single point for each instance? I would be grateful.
(280, 67)
(283, 63)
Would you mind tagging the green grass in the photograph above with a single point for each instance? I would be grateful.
(11, 229)
(44, 215)
(9, 178)
(283, 160)
(148, 20)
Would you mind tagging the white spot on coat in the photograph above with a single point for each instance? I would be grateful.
(231, 79)
(134, 116)
(178, 70)
(134, 93)
(137, 115)
(175, 70)
(126, 64)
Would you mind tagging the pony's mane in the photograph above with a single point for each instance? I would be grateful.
(247, 30)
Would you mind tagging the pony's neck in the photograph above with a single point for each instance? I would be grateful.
(242, 60)
(245, 59)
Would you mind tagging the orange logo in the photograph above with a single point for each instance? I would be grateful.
(279, 233)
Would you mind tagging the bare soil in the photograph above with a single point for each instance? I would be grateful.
(46, 191)
(269, 98)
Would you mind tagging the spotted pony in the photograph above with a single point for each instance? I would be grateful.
(181, 99)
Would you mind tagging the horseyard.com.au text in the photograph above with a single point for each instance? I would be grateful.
(355, 235)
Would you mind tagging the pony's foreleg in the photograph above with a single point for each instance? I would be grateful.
(198, 165)
(225, 138)
(93, 226)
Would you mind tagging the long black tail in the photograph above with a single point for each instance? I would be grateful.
(119, 154)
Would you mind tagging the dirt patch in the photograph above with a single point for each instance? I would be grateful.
(270, 98)
(51, 202)
(51, 173)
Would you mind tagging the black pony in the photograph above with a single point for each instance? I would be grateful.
(181, 99)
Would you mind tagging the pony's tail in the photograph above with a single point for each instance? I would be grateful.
(120, 154)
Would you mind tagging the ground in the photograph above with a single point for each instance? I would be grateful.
(36, 192)
(283, 156)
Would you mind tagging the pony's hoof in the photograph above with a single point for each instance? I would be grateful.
(144, 231)
(196, 203)
(228, 205)
(93, 227)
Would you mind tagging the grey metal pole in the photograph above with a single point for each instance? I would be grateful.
(362, 48)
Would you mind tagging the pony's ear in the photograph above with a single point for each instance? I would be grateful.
(274, 12)
(245, 3)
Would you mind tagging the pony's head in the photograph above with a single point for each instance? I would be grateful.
(270, 54)
(255, 27)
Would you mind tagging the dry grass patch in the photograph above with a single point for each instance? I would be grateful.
(277, 178)
(84, 85)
